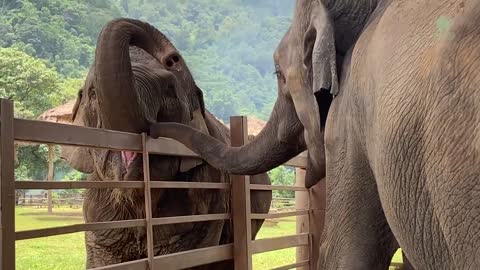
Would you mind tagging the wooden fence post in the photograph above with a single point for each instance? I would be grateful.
(7, 186)
(316, 216)
(50, 177)
(242, 227)
(301, 202)
(148, 202)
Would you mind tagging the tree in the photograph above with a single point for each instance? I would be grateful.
(34, 88)
(29, 82)
(228, 44)
(283, 176)
(63, 32)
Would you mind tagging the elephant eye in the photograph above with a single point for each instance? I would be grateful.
(279, 73)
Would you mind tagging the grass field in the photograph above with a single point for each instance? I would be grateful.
(67, 252)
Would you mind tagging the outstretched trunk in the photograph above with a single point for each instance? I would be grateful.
(269, 149)
(115, 84)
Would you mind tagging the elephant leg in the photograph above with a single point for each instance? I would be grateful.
(356, 234)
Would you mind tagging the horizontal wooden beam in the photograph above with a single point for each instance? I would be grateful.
(55, 133)
(194, 257)
(274, 187)
(141, 264)
(280, 215)
(299, 161)
(292, 266)
(270, 244)
(19, 184)
(23, 235)
(77, 184)
(198, 185)
(63, 134)
(166, 146)
(188, 219)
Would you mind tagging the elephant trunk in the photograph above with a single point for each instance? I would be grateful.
(117, 97)
(267, 151)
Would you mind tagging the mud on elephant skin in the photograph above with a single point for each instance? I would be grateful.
(139, 78)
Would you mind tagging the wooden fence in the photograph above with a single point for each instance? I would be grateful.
(241, 250)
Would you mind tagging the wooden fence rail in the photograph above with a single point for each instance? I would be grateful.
(309, 207)
(241, 250)
(309, 204)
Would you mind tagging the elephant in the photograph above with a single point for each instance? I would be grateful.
(400, 141)
(139, 78)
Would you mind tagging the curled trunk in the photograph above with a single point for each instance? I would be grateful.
(117, 97)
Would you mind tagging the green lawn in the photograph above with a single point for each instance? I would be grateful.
(276, 258)
(67, 252)
(63, 252)
(282, 257)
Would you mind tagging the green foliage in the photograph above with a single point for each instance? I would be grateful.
(32, 85)
(61, 31)
(228, 44)
(47, 46)
(28, 82)
(33, 164)
(283, 176)
(69, 88)
(75, 176)
(71, 175)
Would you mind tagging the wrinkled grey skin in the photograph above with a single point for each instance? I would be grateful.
(402, 140)
(139, 78)
(402, 137)
(303, 69)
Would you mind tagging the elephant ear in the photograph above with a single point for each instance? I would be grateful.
(198, 122)
(319, 50)
(79, 158)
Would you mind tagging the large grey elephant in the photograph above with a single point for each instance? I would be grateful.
(402, 141)
(139, 78)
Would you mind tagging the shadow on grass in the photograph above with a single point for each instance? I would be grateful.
(59, 214)
(58, 218)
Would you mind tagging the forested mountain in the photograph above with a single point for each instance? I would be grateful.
(47, 46)
(228, 44)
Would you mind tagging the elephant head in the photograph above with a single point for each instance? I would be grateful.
(305, 63)
(138, 78)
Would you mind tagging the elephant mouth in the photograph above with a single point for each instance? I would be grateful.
(127, 160)
(161, 167)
